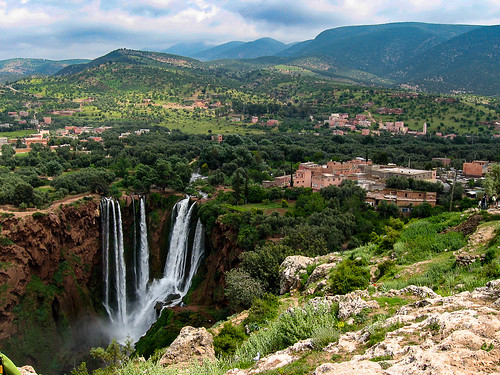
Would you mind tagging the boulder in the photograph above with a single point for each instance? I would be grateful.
(192, 344)
(27, 370)
(320, 272)
(349, 368)
(290, 271)
(418, 291)
(349, 304)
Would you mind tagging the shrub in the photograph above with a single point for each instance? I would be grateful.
(385, 268)
(242, 289)
(262, 310)
(228, 339)
(349, 275)
(38, 214)
(489, 256)
(389, 239)
(292, 326)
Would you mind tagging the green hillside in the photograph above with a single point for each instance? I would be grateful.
(13, 69)
(187, 94)
(466, 63)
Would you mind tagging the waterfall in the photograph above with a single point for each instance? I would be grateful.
(120, 286)
(143, 261)
(114, 272)
(196, 255)
(105, 253)
(132, 318)
(134, 247)
(175, 264)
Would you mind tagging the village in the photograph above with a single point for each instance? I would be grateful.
(369, 176)
(373, 178)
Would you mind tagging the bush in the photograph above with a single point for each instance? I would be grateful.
(38, 214)
(385, 268)
(242, 289)
(228, 339)
(262, 310)
(349, 275)
(290, 327)
(263, 264)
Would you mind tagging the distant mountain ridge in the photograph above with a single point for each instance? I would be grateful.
(12, 69)
(241, 50)
(133, 57)
(433, 57)
(188, 49)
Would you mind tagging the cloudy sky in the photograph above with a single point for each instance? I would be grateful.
(59, 29)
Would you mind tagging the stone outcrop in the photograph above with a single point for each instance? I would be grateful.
(290, 271)
(276, 360)
(348, 368)
(192, 344)
(418, 291)
(459, 334)
(439, 335)
(293, 267)
(349, 304)
(27, 370)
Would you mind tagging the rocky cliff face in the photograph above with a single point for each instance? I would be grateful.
(49, 275)
(222, 256)
(59, 247)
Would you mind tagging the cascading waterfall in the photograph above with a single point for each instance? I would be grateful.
(143, 261)
(131, 318)
(114, 270)
(134, 244)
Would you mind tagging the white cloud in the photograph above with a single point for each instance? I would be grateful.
(95, 27)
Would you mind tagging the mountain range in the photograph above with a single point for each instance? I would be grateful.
(432, 57)
(230, 50)
(13, 69)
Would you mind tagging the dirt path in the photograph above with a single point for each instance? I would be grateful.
(371, 117)
(8, 209)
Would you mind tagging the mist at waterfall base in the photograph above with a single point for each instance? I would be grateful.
(131, 298)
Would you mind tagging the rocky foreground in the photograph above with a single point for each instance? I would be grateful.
(459, 334)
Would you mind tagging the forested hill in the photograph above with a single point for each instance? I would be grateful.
(191, 95)
(13, 69)
(433, 57)
(134, 57)
(464, 63)
(236, 50)
(428, 57)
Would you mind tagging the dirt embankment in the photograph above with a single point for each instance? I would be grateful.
(9, 209)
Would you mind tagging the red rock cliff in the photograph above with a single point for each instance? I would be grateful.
(60, 247)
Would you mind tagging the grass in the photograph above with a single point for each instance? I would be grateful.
(267, 207)
(391, 303)
(299, 324)
(206, 125)
(18, 133)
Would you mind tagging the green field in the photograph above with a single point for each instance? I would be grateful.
(18, 133)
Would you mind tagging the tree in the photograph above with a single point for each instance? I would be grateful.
(263, 264)
(347, 276)
(492, 182)
(241, 289)
(238, 182)
(53, 168)
(380, 157)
